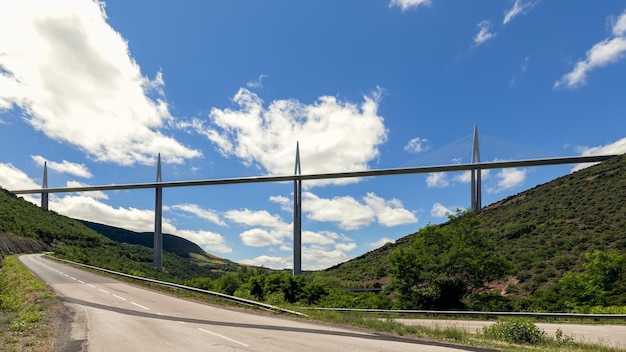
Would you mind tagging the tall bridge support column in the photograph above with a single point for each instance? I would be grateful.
(476, 203)
(297, 217)
(44, 186)
(158, 218)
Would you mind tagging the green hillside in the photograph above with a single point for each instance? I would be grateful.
(27, 228)
(544, 232)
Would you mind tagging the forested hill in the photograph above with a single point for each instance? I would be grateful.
(544, 231)
(27, 228)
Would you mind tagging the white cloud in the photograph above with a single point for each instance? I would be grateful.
(619, 27)
(519, 8)
(12, 178)
(507, 179)
(606, 52)
(317, 238)
(440, 211)
(381, 242)
(269, 262)
(258, 83)
(405, 5)
(79, 170)
(319, 257)
(333, 135)
(437, 179)
(209, 215)
(484, 33)
(255, 218)
(273, 230)
(210, 242)
(75, 81)
(347, 212)
(615, 148)
(389, 212)
(416, 145)
(261, 238)
(466, 176)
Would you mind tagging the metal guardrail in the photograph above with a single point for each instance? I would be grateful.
(378, 311)
(238, 300)
(476, 313)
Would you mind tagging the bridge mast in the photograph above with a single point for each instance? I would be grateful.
(476, 176)
(158, 217)
(297, 217)
(44, 194)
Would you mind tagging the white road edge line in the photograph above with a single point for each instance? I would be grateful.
(140, 306)
(223, 337)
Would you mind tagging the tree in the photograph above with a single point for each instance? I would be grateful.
(596, 283)
(443, 262)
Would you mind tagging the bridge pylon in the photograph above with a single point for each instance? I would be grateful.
(297, 216)
(476, 203)
(44, 186)
(158, 218)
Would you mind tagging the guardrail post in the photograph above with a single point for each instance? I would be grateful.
(158, 217)
(44, 194)
(297, 217)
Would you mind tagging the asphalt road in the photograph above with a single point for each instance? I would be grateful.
(108, 315)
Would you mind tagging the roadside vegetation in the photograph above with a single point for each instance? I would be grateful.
(27, 310)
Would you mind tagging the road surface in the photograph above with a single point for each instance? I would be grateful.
(109, 315)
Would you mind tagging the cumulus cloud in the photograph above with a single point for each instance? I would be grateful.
(507, 179)
(405, 5)
(325, 248)
(66, 167)
(72, 76)
(416, 145)
(615, 148)
(351, 214)
(269, 262)
(519, 8)
(608, 51)
(12, 178)
(437, 179)
(333, 135)
(440, 211)
(484, 33)
(347, 212)
(389, 213)
(206, 214)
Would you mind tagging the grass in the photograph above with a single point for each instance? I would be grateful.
(27, 309)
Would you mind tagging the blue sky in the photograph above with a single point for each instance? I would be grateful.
(226, 88)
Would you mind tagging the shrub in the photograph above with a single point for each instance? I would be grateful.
(520, 331)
